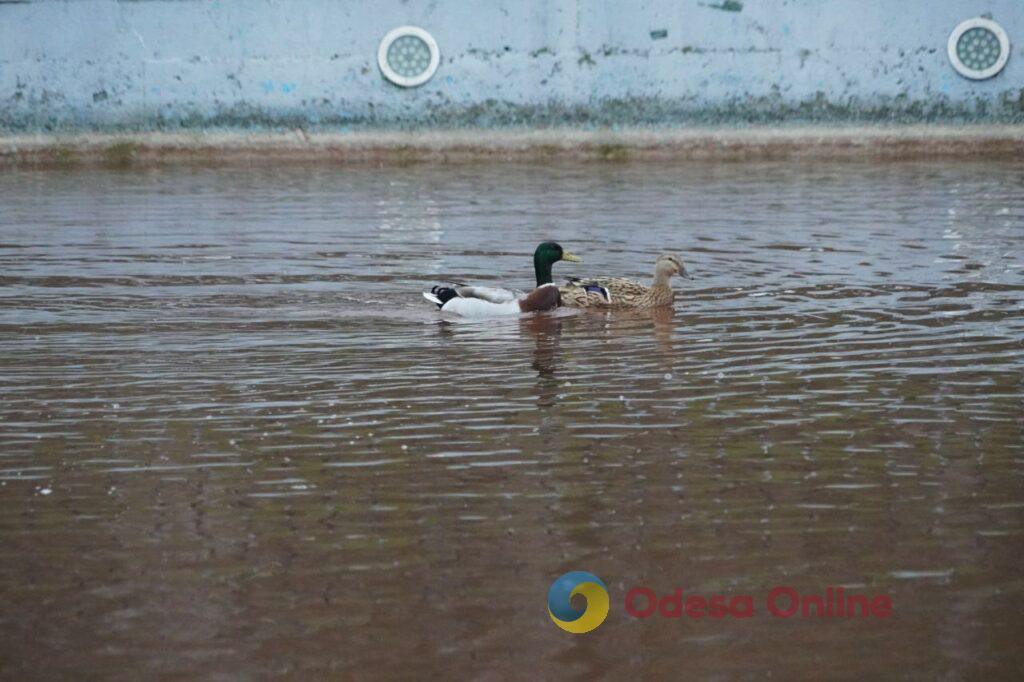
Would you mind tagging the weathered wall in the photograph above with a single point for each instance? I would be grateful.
(105, 64)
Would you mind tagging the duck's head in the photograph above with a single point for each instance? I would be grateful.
(546, 255)
(669, 264)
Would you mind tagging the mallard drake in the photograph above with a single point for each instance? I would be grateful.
(478, 301)
(619, 292)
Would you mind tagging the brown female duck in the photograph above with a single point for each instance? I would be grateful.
(619, 292)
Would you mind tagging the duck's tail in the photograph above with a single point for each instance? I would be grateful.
(439, 295)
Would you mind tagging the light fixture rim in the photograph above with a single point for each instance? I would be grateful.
(964, 27)
(393, 76)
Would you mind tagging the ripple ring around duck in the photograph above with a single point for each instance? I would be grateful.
(560, 602)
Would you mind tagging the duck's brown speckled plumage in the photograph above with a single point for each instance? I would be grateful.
(625, 293)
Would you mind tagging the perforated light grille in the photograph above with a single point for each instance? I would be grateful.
(408, 56)
(978, 48)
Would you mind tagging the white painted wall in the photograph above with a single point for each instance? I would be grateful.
(168, 63)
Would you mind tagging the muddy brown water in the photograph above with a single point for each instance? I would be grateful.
(236, 443)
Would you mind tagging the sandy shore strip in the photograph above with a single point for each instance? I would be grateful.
(254, 147)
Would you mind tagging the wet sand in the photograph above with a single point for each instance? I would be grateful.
(237, 443)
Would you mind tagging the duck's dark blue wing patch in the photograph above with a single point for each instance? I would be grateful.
(598, 289)
(591, 288)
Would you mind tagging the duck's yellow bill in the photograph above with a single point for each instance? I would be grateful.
(571, 257)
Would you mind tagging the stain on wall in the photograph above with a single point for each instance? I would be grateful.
(162, 64)
(727, 6)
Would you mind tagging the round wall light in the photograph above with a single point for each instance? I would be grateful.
(408, 56)
(978, 48)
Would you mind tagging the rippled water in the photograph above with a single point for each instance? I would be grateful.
(236, 442)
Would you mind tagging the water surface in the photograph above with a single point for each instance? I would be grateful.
(236, 442)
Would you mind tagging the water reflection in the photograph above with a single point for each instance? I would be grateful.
(546, 331)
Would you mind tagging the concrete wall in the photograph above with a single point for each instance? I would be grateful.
(106, 64)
